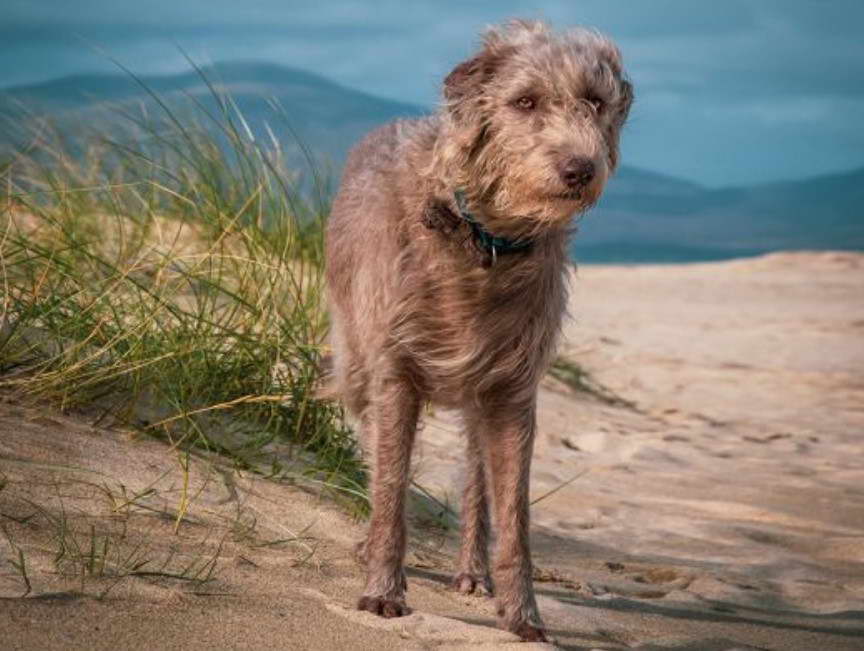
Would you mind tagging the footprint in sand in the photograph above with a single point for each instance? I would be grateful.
(641, 583)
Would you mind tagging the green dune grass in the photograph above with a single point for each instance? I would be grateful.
(167, 277)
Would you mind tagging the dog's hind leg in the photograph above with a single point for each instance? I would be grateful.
(393, 419)
(472, 574)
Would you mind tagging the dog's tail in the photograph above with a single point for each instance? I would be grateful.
(326, 388)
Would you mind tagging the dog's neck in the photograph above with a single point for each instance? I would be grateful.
(487, 247)
(492, 244)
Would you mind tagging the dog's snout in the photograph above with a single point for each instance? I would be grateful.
(577, 171)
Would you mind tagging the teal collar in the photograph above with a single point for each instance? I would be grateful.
(492, 244)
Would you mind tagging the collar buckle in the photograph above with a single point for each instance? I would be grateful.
(488, 242)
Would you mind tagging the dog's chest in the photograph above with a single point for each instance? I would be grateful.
(469, 335)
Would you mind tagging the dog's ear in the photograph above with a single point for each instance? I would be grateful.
(622, 110)
(626, 101)
(469, 77)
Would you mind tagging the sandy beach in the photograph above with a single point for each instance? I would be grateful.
(710, 495)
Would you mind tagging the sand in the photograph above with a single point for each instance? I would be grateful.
(718, 506)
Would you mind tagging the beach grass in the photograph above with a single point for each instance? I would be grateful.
(166, 276)
(580, 380)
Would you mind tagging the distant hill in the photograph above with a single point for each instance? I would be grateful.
(650, 217)
(326, 116)
(643, 217)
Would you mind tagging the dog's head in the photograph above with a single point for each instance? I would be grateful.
(532, 123)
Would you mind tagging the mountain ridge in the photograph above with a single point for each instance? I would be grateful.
(641, 208)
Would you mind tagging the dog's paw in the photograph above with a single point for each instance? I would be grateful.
(530, 633)
(524, 622)
(383, 607)
(465, 583)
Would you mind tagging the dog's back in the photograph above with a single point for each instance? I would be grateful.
(362, 248)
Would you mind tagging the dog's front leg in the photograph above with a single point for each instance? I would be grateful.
(509, 441)
(472, 575)
(395, 410)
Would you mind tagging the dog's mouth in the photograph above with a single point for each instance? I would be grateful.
(571, 195)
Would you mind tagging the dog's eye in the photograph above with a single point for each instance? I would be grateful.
(526, 103)
(596, 103)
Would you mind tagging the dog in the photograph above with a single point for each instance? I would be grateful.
(446, 252)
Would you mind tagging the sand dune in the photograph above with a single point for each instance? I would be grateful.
(719, 505)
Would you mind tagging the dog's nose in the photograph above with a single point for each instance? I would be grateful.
(577, 171)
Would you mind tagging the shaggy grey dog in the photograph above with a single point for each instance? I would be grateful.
(446, 252)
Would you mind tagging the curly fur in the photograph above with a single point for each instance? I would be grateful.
(420, 313)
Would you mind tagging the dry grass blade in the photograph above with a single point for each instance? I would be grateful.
(557, 488)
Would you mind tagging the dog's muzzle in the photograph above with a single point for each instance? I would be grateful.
(577, 172)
